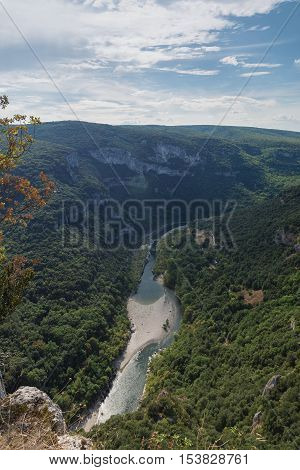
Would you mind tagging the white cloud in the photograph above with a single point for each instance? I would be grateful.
(85, 65)
(235, 61)
(230, 60)
(284, 118)
(199, 72)
(297, 61)
(254, 74)
(126, 30)
(224, 7)
(260, 65)
(258, 28)
(114, 101)
(99, 53)
(141, 32)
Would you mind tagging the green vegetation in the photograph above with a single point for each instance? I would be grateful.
(72, 325)
(243, 163)
(241, 327)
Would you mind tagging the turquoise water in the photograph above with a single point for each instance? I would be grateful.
(127, 389)
(128, 386)
(149, 290)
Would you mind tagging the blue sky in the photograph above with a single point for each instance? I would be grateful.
(153, 61)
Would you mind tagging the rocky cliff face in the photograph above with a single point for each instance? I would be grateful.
(166, 152)
(117, 156)
(161, 158)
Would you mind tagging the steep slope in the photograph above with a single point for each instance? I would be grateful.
(231, 379)
(149, 161)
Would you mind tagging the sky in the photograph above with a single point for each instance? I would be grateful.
(168, 62)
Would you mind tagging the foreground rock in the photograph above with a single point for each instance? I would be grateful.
(36, 401)
(31, 420)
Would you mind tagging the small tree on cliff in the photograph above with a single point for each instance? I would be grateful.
(19, 198)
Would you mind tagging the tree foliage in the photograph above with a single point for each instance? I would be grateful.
(18, 199)
(18, 196)
(204, 391)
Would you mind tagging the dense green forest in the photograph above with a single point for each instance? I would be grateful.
(72, 324)
(231, 378)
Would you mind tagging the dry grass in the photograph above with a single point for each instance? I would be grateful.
(253, 297)
(22, 428)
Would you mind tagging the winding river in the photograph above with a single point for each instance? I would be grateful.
(155, 316)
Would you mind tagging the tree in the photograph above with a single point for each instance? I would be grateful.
(19, 198)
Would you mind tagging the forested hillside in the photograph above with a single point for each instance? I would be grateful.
(231, 379)
(72, 324)
(149, 161)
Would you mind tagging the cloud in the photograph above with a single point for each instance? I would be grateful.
(224, 7)
(297, 61)
(85, 65)
(254, 74)
(235, 61)
(258, 28)
(121, 69)
(116, 102)
(223, 103)
(230, 60)
(283, 118)
(260, 65)
(100, 54)
(140, 32)
(129, 35)
(126, 30)
(198, 72)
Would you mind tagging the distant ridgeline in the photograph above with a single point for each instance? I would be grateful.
(149, 160)
(231, 379)
(73, 323)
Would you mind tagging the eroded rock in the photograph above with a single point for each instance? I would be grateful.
(34, 400)
(256, 422)
(271, 384)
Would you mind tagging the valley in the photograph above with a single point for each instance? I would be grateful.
(239, 303)
(154, 313)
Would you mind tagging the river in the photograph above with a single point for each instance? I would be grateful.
(155, 316)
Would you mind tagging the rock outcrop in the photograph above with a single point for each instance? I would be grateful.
(37, 401)
(287, 238)
(271, 384)
(31, 420)
(256, 422)
(205, 238)
(117, 156)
